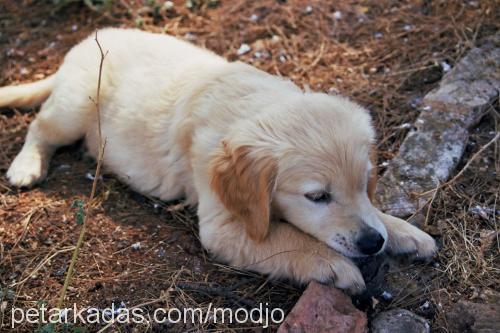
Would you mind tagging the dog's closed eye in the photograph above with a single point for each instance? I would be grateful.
(320, 197)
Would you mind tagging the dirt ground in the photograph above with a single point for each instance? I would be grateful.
(385, 55)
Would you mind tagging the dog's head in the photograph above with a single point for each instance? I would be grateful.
(308, 161)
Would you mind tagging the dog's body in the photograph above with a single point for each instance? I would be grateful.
(249, 148)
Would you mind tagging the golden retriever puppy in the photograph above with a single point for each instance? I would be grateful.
(282, 178)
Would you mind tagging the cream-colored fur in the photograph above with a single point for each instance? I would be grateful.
(251, 149)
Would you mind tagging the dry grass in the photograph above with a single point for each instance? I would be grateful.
(385, 55)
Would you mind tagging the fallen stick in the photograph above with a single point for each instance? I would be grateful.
(88, 207)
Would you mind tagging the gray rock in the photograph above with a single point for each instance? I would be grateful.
(432, 151)
(399, 321)
(474, 317)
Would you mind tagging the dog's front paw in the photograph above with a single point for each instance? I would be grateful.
(342, 271)
(412, 241)
(27, 169)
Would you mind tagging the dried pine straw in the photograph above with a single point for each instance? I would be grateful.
(383, 54)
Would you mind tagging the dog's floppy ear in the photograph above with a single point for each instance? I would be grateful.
(372, 178)
(244, 180)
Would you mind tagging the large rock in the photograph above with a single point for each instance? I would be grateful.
(474, 318)
(324, 309)
(399, 321)
(433, 149)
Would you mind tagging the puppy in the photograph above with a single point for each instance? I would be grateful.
(282, 179)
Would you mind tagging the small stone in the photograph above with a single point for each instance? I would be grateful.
(386, 296)
(64, 167)
(399, 320)
(90, 176)
(323, 308)
(425, 306)
(275, 39)
(136, 246)
(480, 211)
(161, 253)
(168, 5)
(61, 271)
(190, 36)
(333, 91)
(445, 66)
(244, 48)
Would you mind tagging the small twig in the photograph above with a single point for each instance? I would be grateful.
(26, 222)
(429, 206)
(210, 290)
(163, 297)
(41, 264)
(102, 145)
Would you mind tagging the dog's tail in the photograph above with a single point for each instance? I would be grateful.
(26, 95)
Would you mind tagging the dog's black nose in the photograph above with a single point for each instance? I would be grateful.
(370, 241)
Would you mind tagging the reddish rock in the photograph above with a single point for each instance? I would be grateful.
(323, 308)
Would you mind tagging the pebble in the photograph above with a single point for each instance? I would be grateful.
(425, 306)
(168, 5)
(399, 320)
(90, 176)
(386, 296)
(190, 36)
(244, 48)
(445, 66)
(481, 211)
(64, 167)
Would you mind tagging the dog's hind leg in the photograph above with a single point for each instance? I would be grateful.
(58, 123)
